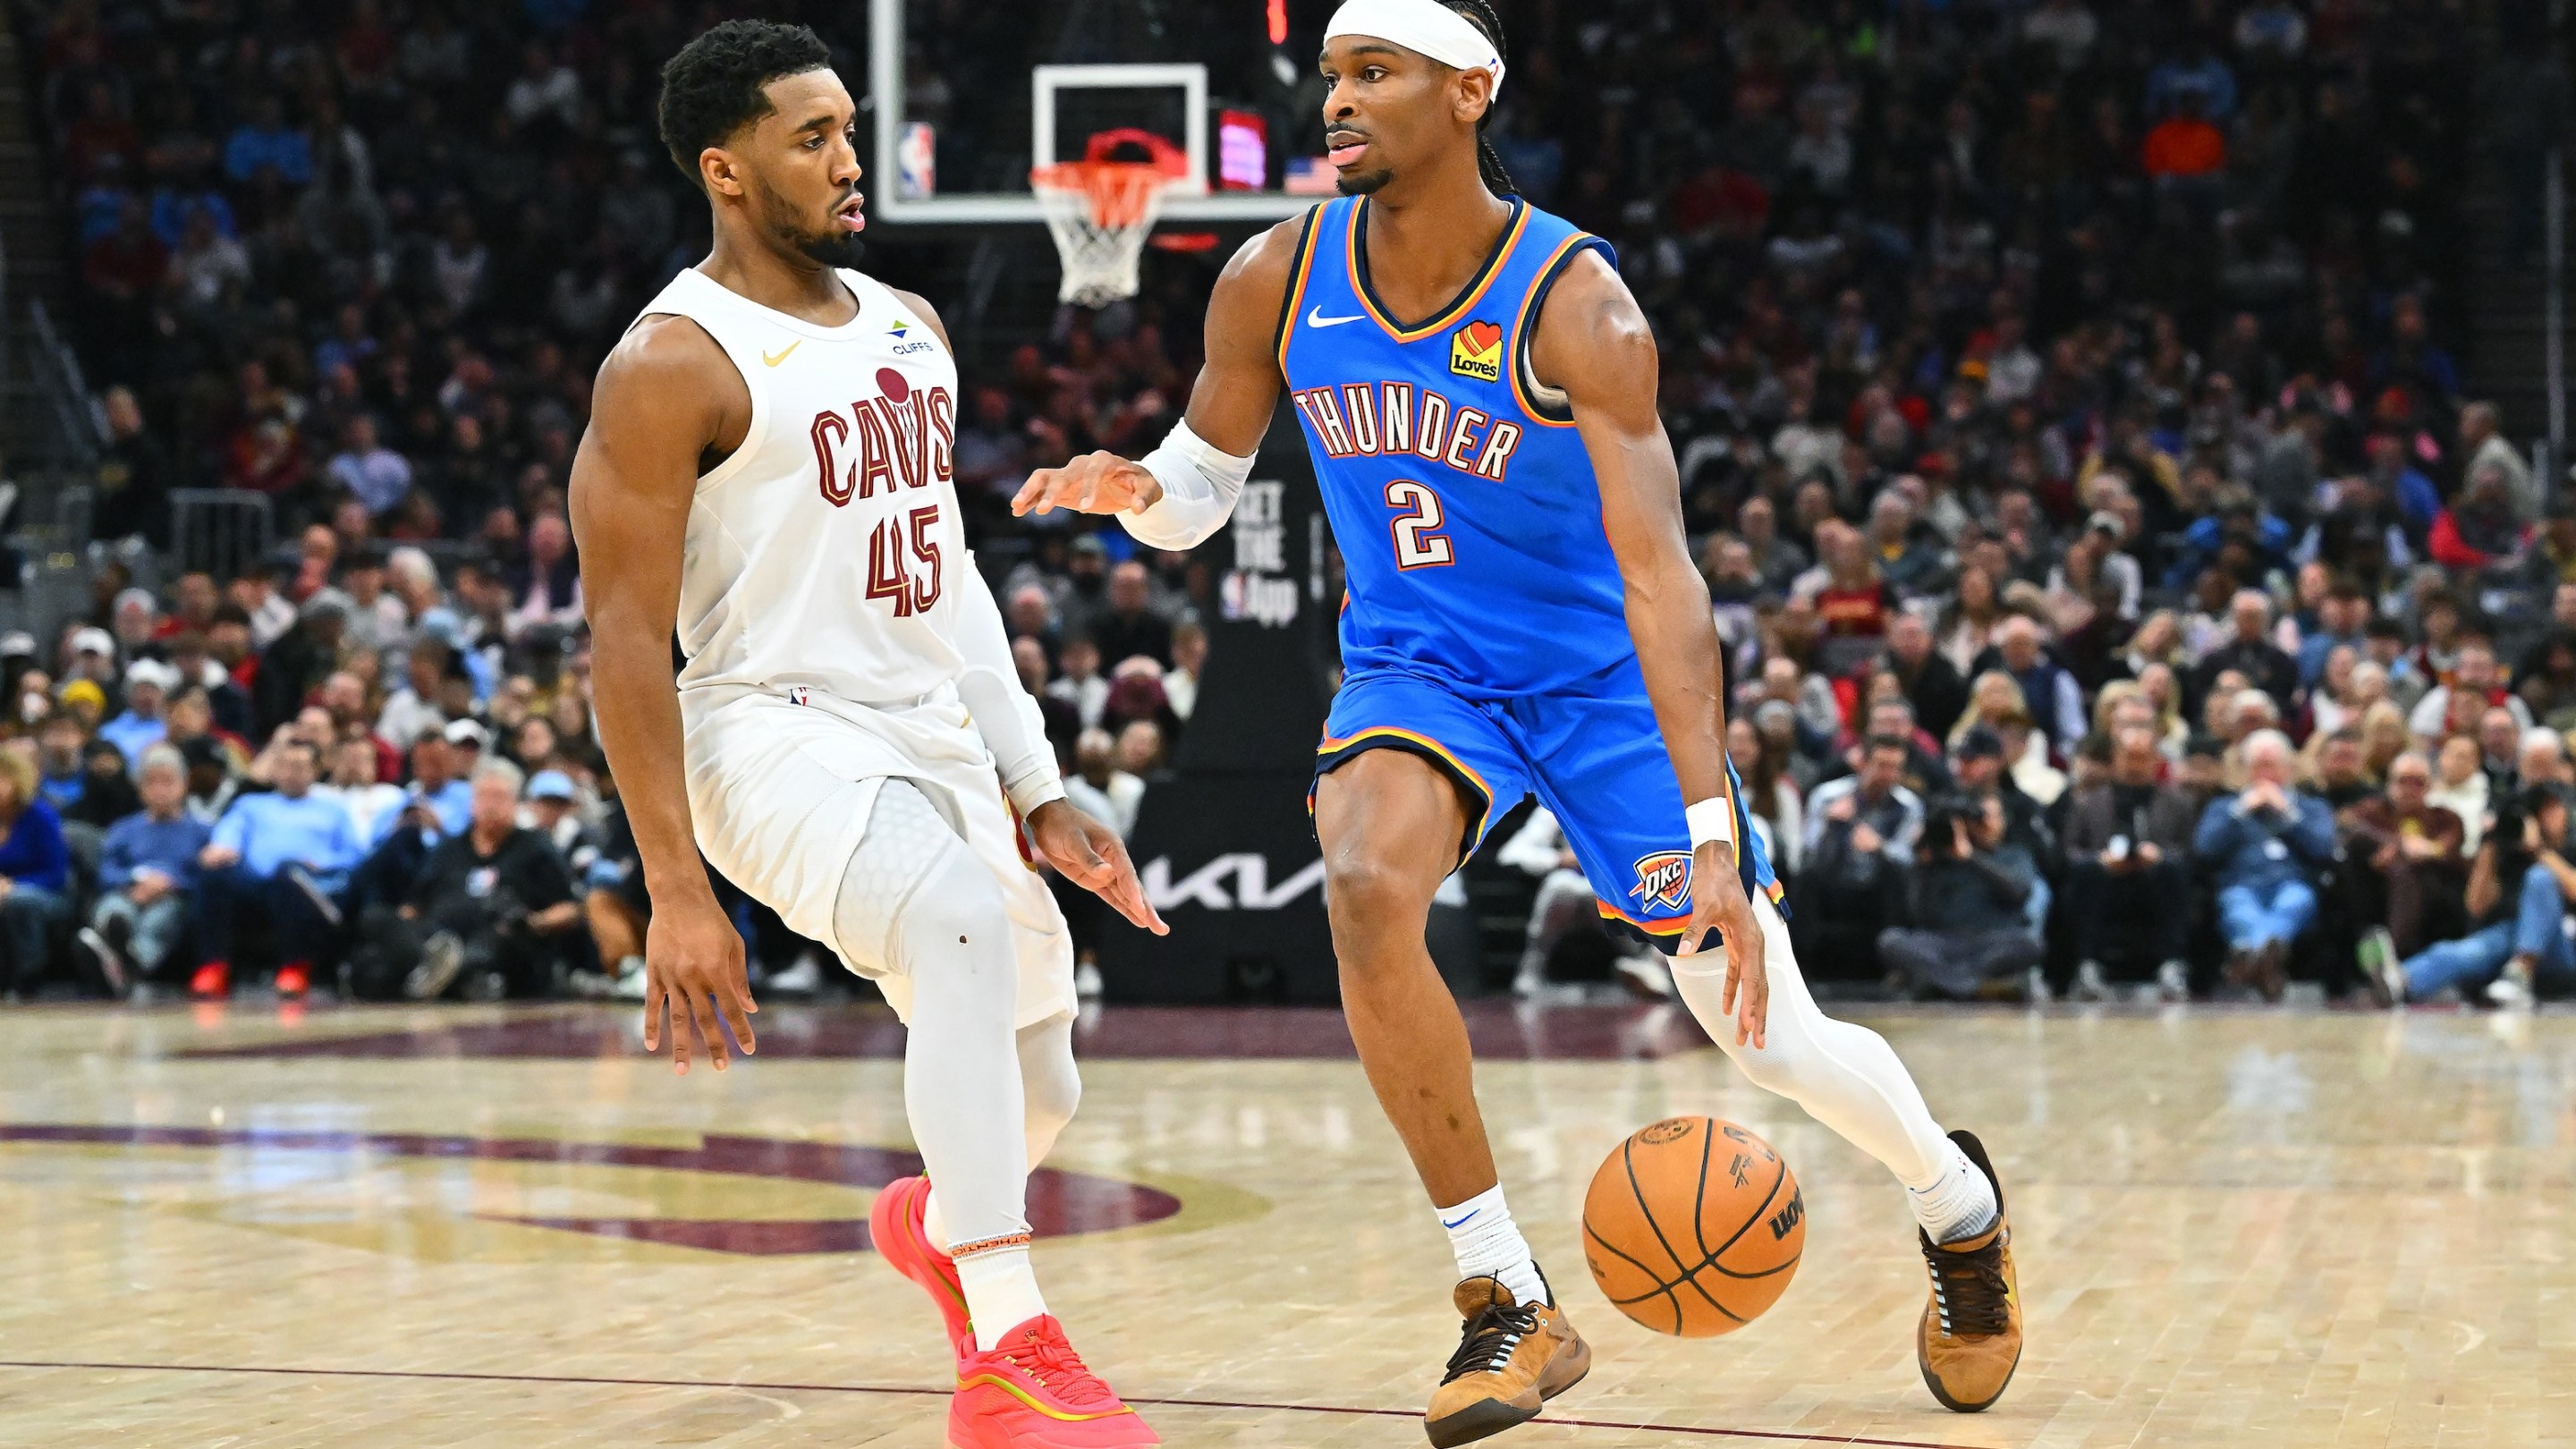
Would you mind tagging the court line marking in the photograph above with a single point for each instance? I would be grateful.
(483, 1378)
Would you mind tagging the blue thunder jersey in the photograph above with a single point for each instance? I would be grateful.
(1485, 627)
(1491, 574)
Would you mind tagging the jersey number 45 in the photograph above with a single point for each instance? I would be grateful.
(906, 569)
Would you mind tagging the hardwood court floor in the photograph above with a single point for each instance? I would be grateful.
(472, 1227)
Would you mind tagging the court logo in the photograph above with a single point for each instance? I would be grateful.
(1476, 350)
(1663, 876)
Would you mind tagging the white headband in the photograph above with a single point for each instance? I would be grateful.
(1426, 27)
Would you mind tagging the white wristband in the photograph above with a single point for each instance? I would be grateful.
(1712, 820)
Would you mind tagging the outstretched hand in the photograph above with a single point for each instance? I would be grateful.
(1090, 855)
(1092, 483)
(1718, 903)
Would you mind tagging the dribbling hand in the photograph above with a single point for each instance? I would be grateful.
(1092, 483)
(1090, 855)
(1718, 903)
(693, 966)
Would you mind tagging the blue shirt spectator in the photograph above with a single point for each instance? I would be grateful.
(171, 210)
(139, 842)
(2264, 844)
(375, 475)
(2341, 617)
(133, 733)
(34, 853)
(452, 802)
(272, 831)
(2264, 847)
(2204, 74)
(140, 727)
(267, 141)
(65, 791)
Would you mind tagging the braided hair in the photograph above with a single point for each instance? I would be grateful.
(1480, 13)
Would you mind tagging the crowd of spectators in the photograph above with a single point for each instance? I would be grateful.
(2064, 392)
(339, 772)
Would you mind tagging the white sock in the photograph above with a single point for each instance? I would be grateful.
(1489, 1245)
(1001, 1291)
(1958, 1206)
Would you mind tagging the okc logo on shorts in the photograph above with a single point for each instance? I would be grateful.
(1663, 876)
(1476, 350)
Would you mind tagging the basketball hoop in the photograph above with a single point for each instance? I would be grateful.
(1100, 211)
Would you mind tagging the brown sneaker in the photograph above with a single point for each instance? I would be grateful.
(1510, 1360)
(1969, 1342)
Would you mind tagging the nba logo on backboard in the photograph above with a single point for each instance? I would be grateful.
(1476, 350)
(1663, 876)
(916, 162)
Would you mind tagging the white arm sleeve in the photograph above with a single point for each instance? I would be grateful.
(1200, 484)
(989, 686)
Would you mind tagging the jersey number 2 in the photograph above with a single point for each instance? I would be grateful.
(1418, 542)
(889, 573)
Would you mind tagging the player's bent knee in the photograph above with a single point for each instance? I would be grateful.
(1367, 892)
(958, 903)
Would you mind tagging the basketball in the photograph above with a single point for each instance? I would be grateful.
(1693, 1227)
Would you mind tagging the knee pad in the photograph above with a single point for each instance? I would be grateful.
(912, 882)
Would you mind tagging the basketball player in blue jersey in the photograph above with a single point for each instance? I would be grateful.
(1478, 390)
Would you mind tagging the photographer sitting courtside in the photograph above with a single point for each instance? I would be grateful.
(2519, 888)
(494, 900)
(1861, 831)
(1970, 891)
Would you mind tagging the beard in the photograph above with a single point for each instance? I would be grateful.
(1363, 184)
(833, 246)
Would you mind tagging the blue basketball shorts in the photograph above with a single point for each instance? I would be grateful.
(1596, 761)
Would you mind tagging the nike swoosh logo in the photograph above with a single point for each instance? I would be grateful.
(1315, 318)
(1444, 1222)
(769, 361)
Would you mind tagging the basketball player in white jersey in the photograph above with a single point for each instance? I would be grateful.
(768, 472)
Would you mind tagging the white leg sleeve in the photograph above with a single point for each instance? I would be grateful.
(918, 904)
(1846, 1076)
(1049, 1082)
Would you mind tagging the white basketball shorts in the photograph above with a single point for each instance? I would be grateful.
(781, 784)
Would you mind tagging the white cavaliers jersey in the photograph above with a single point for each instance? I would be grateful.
(823, 552)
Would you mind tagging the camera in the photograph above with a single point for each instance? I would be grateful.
(1942, 819)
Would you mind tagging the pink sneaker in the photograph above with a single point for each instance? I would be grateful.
(894, 1225)
(1034, 1392)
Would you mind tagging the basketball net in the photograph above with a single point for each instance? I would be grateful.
(1100, 212)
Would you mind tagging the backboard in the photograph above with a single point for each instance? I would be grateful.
(966, 98)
